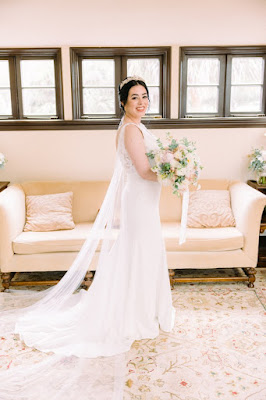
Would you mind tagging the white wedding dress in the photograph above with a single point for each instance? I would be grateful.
(130, 296)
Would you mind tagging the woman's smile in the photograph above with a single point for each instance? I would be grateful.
(137, 103)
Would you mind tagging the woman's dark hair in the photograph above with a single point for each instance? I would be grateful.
(123, 92)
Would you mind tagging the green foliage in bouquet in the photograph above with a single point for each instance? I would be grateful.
(176, 164)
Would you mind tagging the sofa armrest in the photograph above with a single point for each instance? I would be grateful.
(247, 205)
(12, 220)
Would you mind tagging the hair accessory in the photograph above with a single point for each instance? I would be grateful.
(130, 78)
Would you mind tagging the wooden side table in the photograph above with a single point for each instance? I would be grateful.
(262, 240)
(3, 185)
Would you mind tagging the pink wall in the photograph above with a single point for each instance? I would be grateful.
(132, 23)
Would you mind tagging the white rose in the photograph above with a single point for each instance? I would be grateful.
(182, 171)
(175, 163)
(178, 155)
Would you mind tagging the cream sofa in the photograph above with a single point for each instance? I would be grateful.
(55, 251)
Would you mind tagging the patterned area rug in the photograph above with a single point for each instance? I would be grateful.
(216, 351)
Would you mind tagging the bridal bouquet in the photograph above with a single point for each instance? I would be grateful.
(2, 160)
(176, 164)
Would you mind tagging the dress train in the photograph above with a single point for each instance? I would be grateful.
(89, 332)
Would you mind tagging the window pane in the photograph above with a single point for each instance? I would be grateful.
(99, 101)
(246, 98)
(98, 73)
(154, 100)
(5, 102)
(146, 68)
(202, 99)
(37, 73)
(203, 71)
(247, 70)
(38, 102)
(4, 74)
(149, 70)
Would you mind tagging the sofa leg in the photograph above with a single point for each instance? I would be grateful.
(171, 277)
(250, 272)
(88, 279)
(6, 279)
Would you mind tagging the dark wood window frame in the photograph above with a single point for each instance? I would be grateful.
(120, 56)
(153, 123)
(225, 55)
(14, 56)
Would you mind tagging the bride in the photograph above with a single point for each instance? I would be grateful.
(86, 334)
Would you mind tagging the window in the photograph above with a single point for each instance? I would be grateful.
(96, 74)
(30, 84)
(222, 82)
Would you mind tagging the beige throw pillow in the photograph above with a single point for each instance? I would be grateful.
(49, 212)
(210, 209)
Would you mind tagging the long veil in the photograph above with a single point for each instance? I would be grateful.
(66, 376)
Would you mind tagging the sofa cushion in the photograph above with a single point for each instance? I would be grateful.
(198, 239)
(210, 209)
(215, 239)
(50, 212)
(55, 241)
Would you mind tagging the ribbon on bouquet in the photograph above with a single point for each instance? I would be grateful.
(185, 201)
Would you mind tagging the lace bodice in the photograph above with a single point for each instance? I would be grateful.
(149, 140)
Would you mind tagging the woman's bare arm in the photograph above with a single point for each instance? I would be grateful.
(135, 147)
